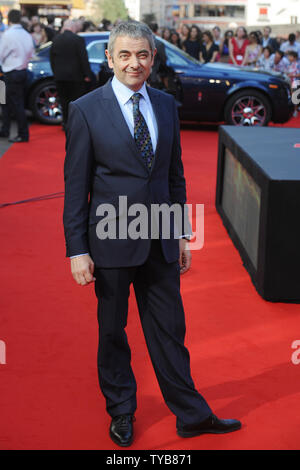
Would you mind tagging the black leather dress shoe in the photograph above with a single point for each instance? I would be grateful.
(121, 430)
(18, 139)
(212, 425)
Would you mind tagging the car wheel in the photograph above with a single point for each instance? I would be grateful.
(248, 108)
(44, 103)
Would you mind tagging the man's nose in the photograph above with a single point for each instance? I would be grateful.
(134, 62)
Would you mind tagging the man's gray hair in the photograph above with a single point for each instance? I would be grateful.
(133, 29)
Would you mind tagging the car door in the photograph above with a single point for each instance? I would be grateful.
(202, 89)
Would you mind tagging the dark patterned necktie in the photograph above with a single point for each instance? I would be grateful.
(141, 132)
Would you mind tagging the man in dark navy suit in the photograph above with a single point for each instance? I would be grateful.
(123, 140)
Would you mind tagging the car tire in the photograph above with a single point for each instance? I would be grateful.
(44, 103)
(248, 108)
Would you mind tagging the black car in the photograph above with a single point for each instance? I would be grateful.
(204, 92)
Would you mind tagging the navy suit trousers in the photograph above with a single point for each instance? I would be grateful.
(157, 288)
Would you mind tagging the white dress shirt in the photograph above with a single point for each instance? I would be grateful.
(123, 95)
(16, 48)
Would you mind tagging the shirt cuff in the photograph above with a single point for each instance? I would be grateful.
(77, 256)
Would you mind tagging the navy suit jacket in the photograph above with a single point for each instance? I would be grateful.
(103, 162)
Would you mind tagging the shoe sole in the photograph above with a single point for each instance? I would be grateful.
(128, 443)
(198, 433)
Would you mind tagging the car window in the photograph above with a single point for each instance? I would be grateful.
(96, 50)
(175, 59)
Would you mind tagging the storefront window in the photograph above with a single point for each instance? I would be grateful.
(232, 11)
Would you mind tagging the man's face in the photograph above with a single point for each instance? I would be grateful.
(277, 58)
(131, 61)
(266, 32)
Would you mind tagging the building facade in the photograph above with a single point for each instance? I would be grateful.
(224, 13)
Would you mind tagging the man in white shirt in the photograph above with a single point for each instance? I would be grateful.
(16, 49)
(291, 45)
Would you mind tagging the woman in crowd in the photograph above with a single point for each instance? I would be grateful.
(166, 34)
(184, 33)
(217, 35)
(237, 46)
(224, 46)
(175, 38)
(38, 33)
(279, 62)
(193, 44)
(253, 50)
(265, 62)
(209, 50)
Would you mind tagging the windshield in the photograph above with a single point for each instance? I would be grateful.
(173, 50)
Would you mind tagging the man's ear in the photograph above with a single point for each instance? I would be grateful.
(109, 59)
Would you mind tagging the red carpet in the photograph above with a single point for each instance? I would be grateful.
(240, 345)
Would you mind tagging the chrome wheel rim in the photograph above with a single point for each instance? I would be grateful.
(47, 104)
(249, 111)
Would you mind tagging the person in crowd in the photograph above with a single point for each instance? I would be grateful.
(88, 26)
(165, 34)
(78, 23)
(291, 45)
(253, 50)
(293, 72)
(16, 49)
(39, 35)
(50, 30)
(70, 66)
(265, 62)
(192, 45)
(184, 32)
(237, 46)
(267, 40)
(158, 77)
(175, 39)
(217, 35)
(224, 46)
(260, 36)
(279, 62)
(298, 36)
(25, 22)
(112, 147)
(35, 19)
(209, 50)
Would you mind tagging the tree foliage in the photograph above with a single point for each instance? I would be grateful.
(111, 10)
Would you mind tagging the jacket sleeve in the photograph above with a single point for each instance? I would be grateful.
(83, 57)
(77, 177)
(177, 184)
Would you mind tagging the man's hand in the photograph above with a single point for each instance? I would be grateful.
(82, 268)
(185, 256)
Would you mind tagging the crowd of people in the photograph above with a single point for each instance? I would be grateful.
(256, 49)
